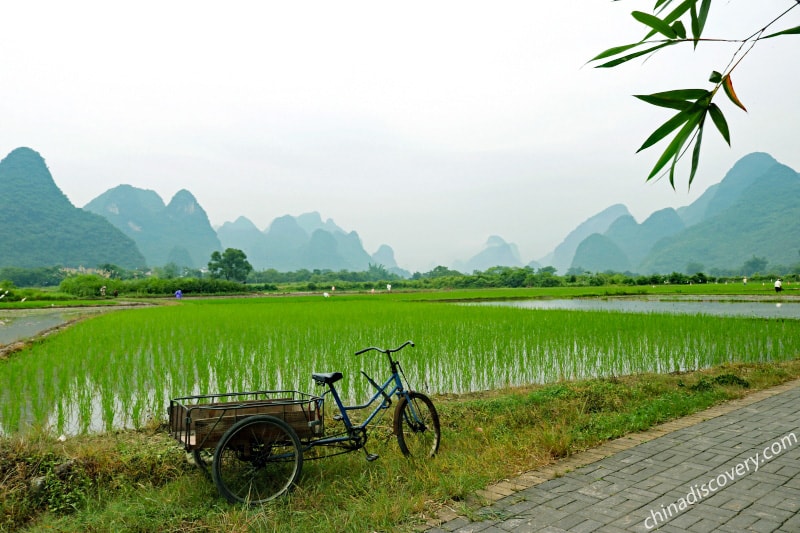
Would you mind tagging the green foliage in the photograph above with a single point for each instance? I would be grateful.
(33, 277)
(710, 383)
(89, 286)
(42, 476)
(667, 28)
(231, 264)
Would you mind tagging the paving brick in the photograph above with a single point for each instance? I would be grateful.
(764, 525)
(616, 487)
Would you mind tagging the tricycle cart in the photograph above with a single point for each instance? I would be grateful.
(253, 442)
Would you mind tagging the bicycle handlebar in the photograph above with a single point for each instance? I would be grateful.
(387, 350)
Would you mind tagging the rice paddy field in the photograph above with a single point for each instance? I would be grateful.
(120, 369)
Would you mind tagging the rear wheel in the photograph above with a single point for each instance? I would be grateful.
(257, 459)
(416, 425)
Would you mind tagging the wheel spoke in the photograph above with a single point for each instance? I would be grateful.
(416, 426)
(257, 459)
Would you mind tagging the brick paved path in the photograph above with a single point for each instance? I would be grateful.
(695, 474)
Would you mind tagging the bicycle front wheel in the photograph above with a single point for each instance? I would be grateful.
(257, 459)
(416, 425)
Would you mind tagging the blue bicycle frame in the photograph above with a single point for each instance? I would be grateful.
(355, 434)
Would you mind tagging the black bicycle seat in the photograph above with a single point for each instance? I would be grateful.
(326, 378)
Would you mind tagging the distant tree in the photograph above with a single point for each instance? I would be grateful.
(33, 277)
(438, 272)
(677, 278)
(232, 265)
(666, 28)
(112, 270)
(753, 265)
(168, 271)
(378, 273)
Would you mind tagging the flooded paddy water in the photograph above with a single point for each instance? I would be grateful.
(747, 308)
(22, 324)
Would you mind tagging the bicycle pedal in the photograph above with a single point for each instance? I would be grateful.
(371, 457)
(337, 417)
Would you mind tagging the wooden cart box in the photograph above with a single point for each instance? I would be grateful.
(200, 421)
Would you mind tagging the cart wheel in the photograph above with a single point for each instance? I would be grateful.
(416, 425)
(257, 459)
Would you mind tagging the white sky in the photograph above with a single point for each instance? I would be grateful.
(428, 126)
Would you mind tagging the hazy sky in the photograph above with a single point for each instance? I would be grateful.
(428, 126)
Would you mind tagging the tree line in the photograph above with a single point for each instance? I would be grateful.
(113, 283)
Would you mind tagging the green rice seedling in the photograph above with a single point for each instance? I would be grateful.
(121, 368)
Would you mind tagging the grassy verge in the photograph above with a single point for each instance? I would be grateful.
(141, 480)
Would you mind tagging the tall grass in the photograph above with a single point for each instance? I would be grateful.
(120, 369)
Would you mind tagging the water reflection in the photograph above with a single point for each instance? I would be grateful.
(738, 308)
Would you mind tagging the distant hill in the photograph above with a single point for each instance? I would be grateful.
(294, 243)
(177, 233)
(39, 226)
(626, 243)
(562, 256)
(243, 235)
(762, 220)
(384, 256)
(753, 211)
(602, 253)
(497, 252)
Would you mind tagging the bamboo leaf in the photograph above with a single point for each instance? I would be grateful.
(655, 23)
(679, 29)
(696, 153)
(679, 11)
(675, 14)
(674, 147)
(659, 3)
(665, 129)
(683, 94)
(715, 77)
(663, 102)
(790, 31)
(727, 84)
(614, 51)
(678, 99)
(702, 16)
(627, 58)
(719, 121)
(690, 114)
(672, 171)
(699, 19)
